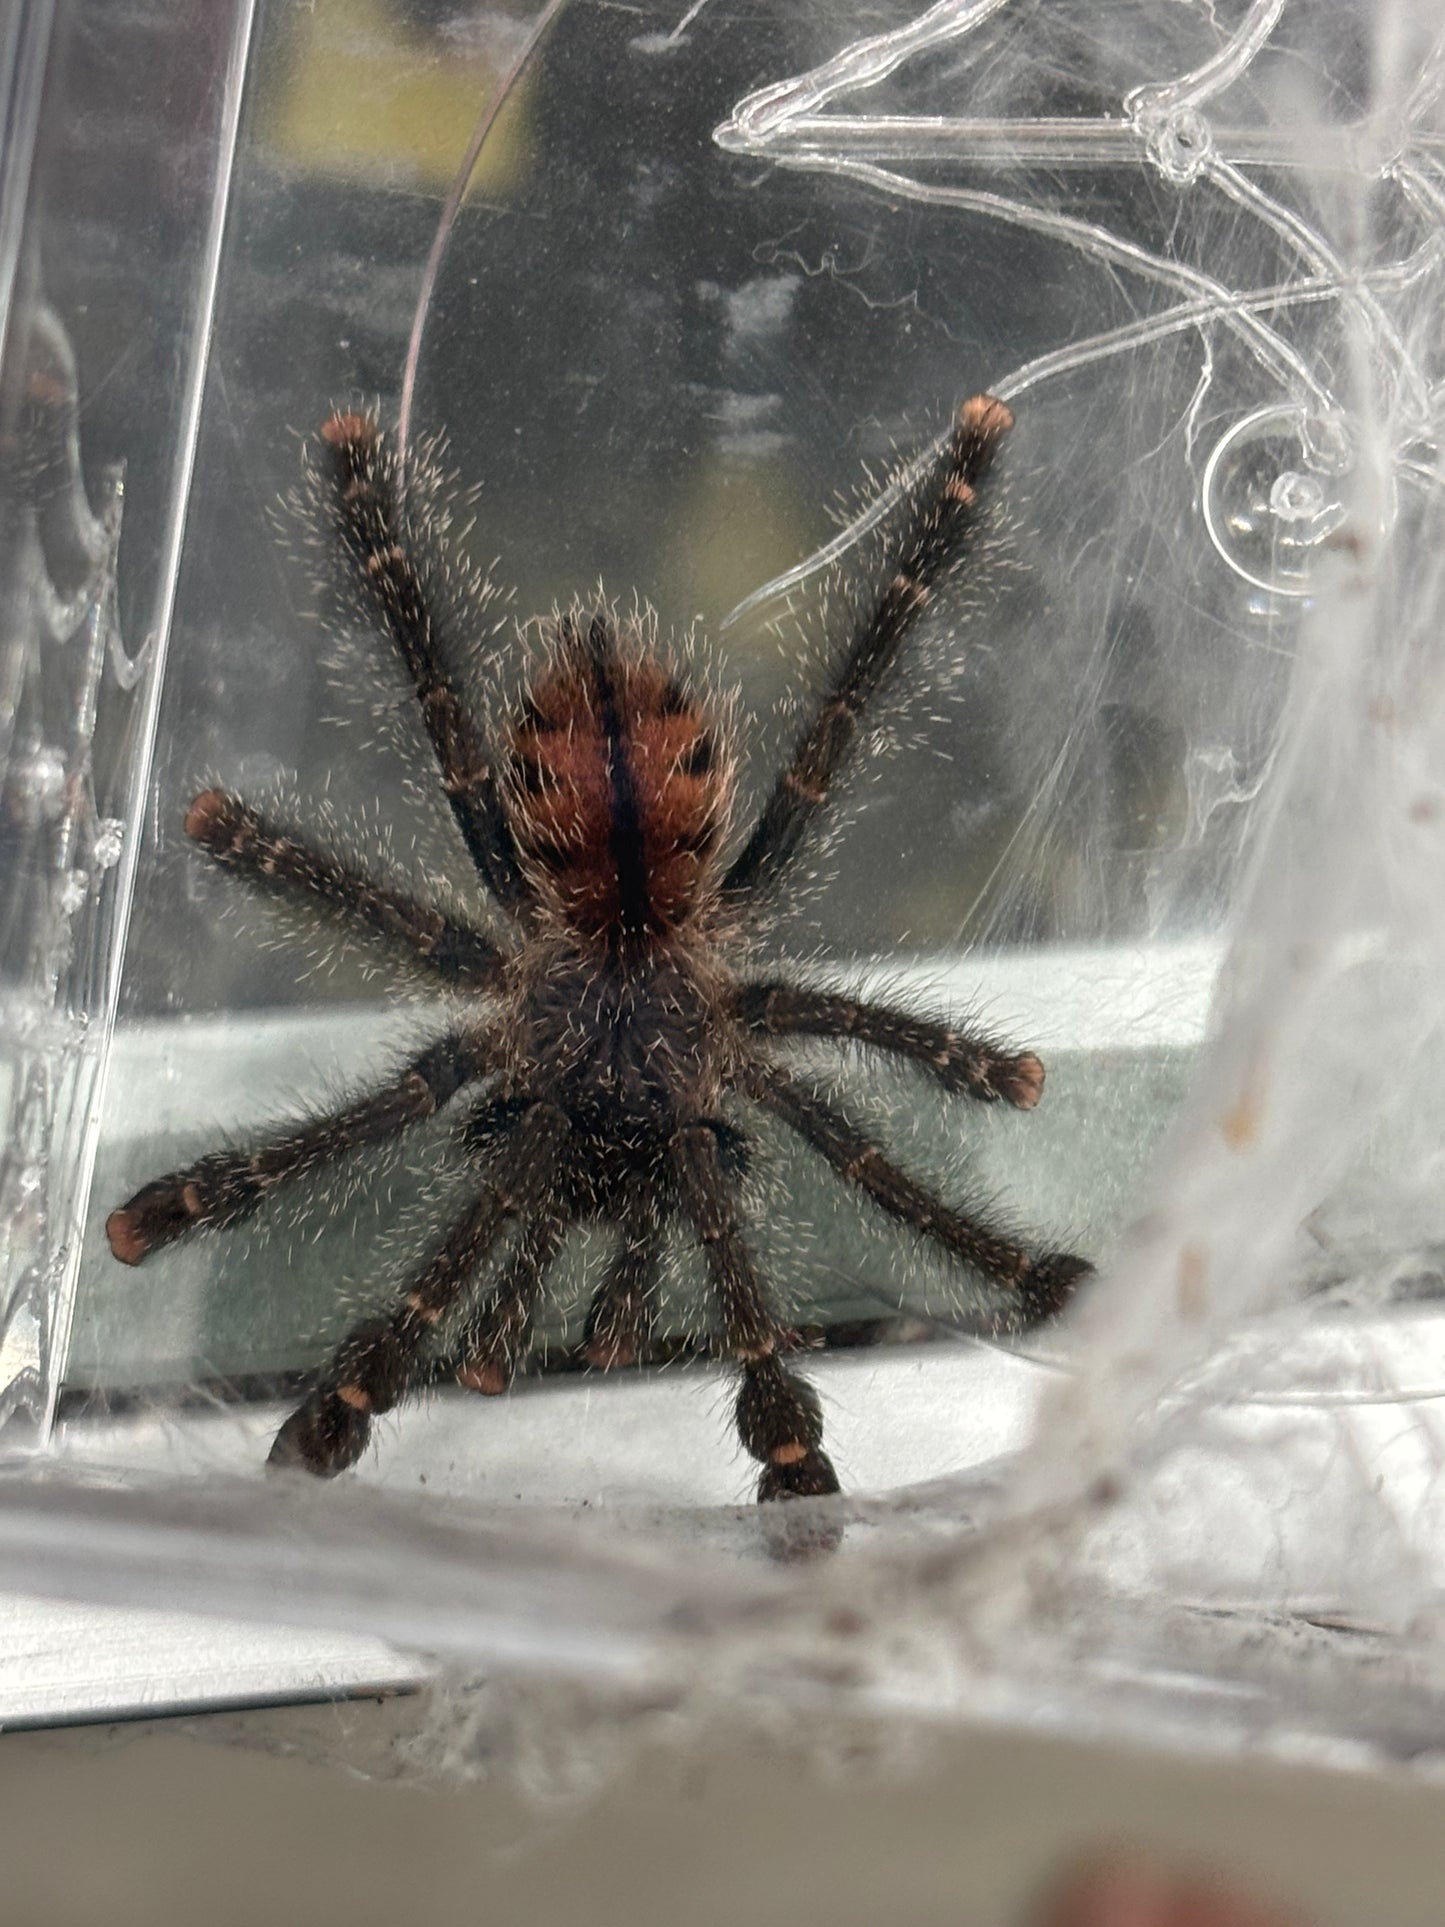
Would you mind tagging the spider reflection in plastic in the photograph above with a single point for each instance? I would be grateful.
(616, 1024)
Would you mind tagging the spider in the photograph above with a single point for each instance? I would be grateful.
(606, 1038)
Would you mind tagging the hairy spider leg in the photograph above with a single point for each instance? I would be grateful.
(623, 1313)
(496, 1334)
(374, 534)
(963, 1062)
(1042, 1282)
(779, 1419)
(225, 1187)
(931, 540)
(384, 1358)
(272, 858)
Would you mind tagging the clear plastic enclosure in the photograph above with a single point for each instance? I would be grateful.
(678, 298)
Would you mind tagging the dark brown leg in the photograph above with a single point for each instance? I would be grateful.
(496, 1335)
(959, 1060)
(778, 1417)
(383, 1359)
(932, 538)
(227, 1186)
(623, 1312)
(372, 525)
(242, 839)
(1043, 1282)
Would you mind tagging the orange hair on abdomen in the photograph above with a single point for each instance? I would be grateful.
(617, 789)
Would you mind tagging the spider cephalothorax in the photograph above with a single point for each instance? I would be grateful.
(616, 1047)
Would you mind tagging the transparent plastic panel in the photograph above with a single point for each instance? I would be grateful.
(682, 300)
(114, 154)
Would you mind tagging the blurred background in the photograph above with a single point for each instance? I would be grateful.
(152, 1826)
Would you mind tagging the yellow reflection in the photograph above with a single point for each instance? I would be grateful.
(364, 94)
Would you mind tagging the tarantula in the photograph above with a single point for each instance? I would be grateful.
(609, 1030)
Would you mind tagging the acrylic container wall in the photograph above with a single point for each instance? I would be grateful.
(1160, 797)
(118, 135)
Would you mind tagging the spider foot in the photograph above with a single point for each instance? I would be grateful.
(1019, 1080)
(808, 1476)
(618, 1330)
(811, 1531)
(347, 432)
(986, 1074)
(1048, 1285)
(495, 1343)
(488, 1373)
(985, 417)
(323, 1436)
(610, 1352)
(780, 1422)
(215, 821)
(158, 1214)
(216, 1191)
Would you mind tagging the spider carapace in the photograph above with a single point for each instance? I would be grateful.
(617, 1038)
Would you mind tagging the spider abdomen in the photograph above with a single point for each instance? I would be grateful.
(617, 788)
